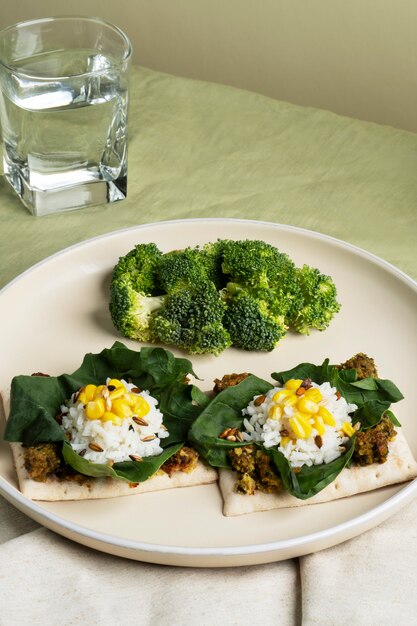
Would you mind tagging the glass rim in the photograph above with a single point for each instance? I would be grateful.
(63, 18)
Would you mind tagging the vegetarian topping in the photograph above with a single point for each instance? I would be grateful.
(228, 380)
(371, 446)
(228, 293)
(255, 471)
(364, 365)
(185, 460)
(113, 422)
(308, 423)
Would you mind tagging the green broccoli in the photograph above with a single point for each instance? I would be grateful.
(131, 311)
(180, 268)
(191, 318)
(204, 299)
(254, 263)
(318, 301)
(253, 319)
(211, 255)
(134, 292)
(141, 267)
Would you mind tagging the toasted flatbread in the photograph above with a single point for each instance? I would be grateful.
(93, 488)
(399, 467)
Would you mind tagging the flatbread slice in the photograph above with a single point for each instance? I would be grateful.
(400, 467)
(93, 488)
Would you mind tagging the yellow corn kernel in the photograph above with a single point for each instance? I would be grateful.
(293, 384)
(319, 425)
(121, 408)
(140, 406)
(290, 400)
(280, 395)
(348, 429)
(313, 394)
(90, 391)
(114, 382)
(82, 398)
(112, 417)
(130, 398)
(301, 426)
(284, 441)
(117, 393)
(328, 418)
(94, 409)
(306, 405)
(275, 412)
(99, 390)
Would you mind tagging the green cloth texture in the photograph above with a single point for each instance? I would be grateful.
(199, 150)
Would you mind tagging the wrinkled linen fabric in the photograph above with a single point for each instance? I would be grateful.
(65, 583)
(367, 580)
(201, 150)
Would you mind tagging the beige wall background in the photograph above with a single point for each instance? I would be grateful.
(354, 57)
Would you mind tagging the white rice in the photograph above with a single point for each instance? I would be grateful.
(117, 442)
(258, 427)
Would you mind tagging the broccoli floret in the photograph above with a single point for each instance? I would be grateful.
(253, 319)
(211, 255)
(134, 291)
(191, 318)
(254, 263)
(318, 305)
(180, 268)
(131, 311)
(140, 266)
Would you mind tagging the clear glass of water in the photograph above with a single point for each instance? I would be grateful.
(63, 112)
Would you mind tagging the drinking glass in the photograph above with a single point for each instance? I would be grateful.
(63, 112)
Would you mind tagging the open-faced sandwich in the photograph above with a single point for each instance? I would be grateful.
(117, 426)
(323, 432)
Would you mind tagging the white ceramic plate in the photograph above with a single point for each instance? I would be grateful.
(54, 313)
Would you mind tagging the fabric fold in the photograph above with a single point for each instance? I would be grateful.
(369, 579)
(47, 577)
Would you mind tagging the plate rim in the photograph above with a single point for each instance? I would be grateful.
(380, 511)
(394, 502)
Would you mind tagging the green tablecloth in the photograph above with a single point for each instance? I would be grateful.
(203, 150)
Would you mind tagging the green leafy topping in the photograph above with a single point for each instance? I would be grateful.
(36, 401)
(372, 396)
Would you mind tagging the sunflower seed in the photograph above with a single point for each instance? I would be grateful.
(140, 421)
(318, 441)
(135, 457)
(148, 438)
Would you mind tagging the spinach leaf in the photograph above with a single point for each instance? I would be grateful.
(225, 410)
(132, 471)
(36, 400)
(310, 480)
(370, 414)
